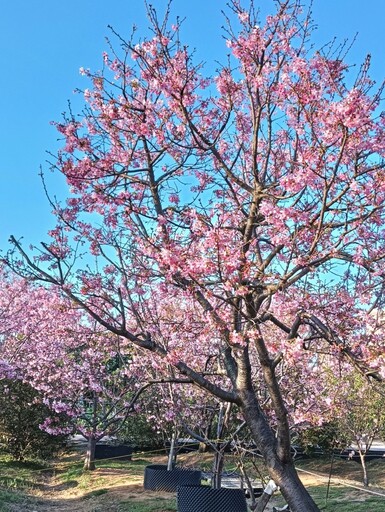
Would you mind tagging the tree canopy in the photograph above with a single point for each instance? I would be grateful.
(233, 225)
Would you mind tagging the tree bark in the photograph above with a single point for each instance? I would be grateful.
(262, 502)
(281, 468)
(293, 490)
(89, 462)
(218, 463)
(223, 416)
(364, 469)
(172, 452)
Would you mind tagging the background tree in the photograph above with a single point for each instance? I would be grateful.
(21, 419)
(140, 433)
(79, 372)
(360, 418)
(184, 411)
(249, 205)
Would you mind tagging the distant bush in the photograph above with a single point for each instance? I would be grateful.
(22, 411)
(326, 438)
(140, 434)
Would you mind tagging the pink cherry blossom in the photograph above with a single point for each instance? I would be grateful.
(230, 227)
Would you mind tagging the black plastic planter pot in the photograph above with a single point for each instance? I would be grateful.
(201, 498)
(107, 451)
(157, 478)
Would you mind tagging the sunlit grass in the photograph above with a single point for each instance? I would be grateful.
(346, 499)
(156, 505)
(20, 475)
(20, 480)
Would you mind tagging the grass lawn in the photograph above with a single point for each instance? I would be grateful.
(344, 499)
(117, 486)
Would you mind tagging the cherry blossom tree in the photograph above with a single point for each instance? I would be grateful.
(81, 373)
(184, 410)
(236, 221)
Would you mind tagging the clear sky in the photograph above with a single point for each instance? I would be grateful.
(44, 43)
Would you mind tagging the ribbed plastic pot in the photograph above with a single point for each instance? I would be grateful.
(157, 478)
(201, 498)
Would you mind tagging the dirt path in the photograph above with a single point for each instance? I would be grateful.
(64, 498)
(104, 490)
(114, 489)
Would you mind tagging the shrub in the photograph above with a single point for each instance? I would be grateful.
(22, 411)
(139, 433)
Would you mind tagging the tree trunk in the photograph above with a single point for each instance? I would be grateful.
(364, 469)
(279, 464)
(223, 419)
(89, 463)
(266, 496)
(217, 469)
(262, 502)
(293, 490)
(172, 453)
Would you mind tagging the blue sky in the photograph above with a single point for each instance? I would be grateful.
(44, 43)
